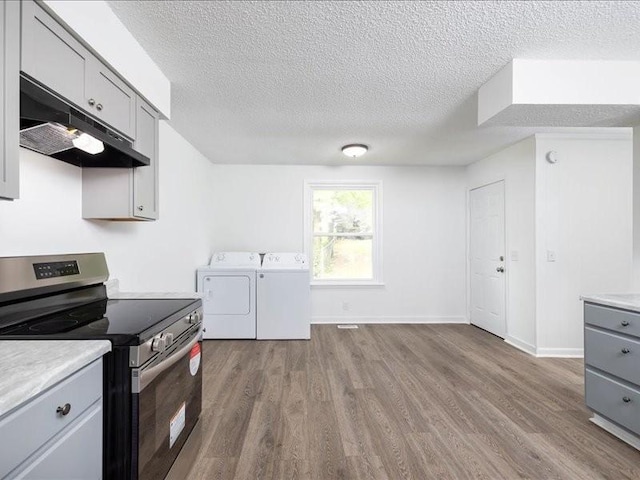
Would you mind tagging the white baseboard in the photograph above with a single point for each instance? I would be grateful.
(386, 319)
(614, 429)
(520, 345)
(560, 352)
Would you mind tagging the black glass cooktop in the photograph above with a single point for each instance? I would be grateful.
(123, 321)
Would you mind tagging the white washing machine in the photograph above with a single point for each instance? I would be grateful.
(228, 286)
(284, 297)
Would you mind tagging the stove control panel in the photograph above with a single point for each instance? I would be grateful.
(185, 326)
(55, 269)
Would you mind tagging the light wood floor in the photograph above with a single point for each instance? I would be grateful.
(397, 402)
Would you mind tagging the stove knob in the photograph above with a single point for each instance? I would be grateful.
(168, 338)
(193, 318)
(158, 344)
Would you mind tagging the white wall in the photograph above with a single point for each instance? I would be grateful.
(516, 166)
(584, 215)
(144, 256)
(636, 208)
(261, 208)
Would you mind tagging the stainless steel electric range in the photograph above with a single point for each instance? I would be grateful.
(152, 377)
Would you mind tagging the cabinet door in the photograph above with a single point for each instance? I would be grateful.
(52, 56)
(145, 179)
(109, 99)
(9, 98)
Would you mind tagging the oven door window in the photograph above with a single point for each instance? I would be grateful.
(167, 406)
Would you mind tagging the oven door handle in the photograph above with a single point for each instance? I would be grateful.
(147, 375)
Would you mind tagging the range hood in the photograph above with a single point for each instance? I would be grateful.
(52, 127)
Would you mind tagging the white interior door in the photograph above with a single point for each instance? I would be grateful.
(487, 258)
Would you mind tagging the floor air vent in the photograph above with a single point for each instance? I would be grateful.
(348, 326)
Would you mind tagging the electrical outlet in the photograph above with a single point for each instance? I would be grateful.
(345, 306)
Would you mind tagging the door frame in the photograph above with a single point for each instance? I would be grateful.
(474, 186)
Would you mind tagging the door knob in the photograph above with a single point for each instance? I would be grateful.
(500, 269)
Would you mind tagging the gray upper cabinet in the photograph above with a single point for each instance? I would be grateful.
(52, 56)
(126, 194)
(55, 58)
(9, 99)
(109, 99)
(145, 179)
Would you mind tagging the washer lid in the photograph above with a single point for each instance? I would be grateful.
(285, 261)
(235, 260)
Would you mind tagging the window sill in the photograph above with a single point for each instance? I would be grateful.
(346, 284)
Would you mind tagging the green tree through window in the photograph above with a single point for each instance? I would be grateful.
(344, 228)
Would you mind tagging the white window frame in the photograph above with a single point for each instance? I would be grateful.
(376, 187)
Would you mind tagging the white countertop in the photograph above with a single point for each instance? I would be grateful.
(627, 301)
(28, 367)
(155, 295)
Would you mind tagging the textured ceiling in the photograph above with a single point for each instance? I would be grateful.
(290, 82)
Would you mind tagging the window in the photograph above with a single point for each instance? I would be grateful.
(343, 232)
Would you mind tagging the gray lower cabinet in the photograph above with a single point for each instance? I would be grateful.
(126, 194)
(52, 56)
(9, 99)
(59, 433)
(612, 369)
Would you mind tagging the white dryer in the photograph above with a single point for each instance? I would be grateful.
(228, 286)
(284, 297)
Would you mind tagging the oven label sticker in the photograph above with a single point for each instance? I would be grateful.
(176, 425)
(194, 359)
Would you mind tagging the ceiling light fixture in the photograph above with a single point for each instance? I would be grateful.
(355, 150)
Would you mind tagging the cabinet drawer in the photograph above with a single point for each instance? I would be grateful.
(36, 422)
(61, 460)
(619, 321)
(613, 353)
(607, 397)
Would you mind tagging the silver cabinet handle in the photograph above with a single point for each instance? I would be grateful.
(99, 107)
(64, 410)
(92, 102)
(625, 323)
(625, 350)
(626, 399)
(140, 208)
(500, 269)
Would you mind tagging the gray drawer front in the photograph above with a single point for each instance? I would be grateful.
(618, 321)
(36, 422)
(604, 351)
(605, 396)
(63, 460)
